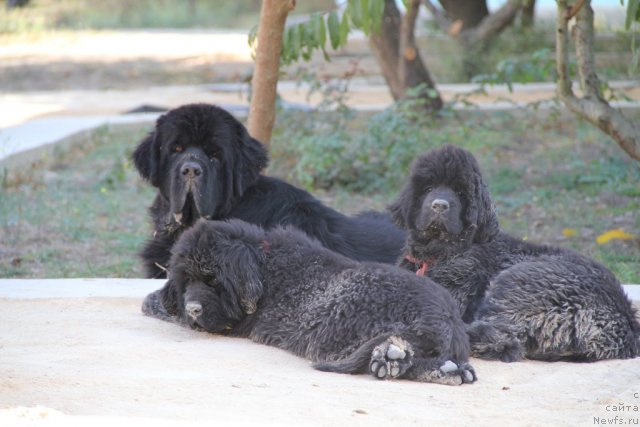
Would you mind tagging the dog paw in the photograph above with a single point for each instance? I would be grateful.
(152, 306)
(453, 374)
(390, 359)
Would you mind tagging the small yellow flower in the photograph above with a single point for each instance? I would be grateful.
(569, 232)
(616, 234)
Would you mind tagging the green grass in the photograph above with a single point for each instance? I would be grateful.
(81, 211)
(554, 179)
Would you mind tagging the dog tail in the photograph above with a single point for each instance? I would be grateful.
(356, 363)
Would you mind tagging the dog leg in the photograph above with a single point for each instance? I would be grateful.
(434, 370)
(152, 306)
(488, 342)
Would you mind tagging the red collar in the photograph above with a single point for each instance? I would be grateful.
(423, 265)
(265, 246)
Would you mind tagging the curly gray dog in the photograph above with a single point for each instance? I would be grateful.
(522, 299)
(281, 288)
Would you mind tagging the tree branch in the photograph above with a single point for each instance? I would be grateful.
(592, 106)
(492, 25)
(583, 39)
(573, 10)
(441, 19)
(565, 92)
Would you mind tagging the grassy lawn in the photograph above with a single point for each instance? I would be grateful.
(78, 213)
(81, 211)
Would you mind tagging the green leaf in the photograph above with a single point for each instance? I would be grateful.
(633, 13)
(366, 16)
(253, 35)
(307, 36)
(334, 29)
(298, 39)
(376, 10)
(306, 53)
(326, 55)
(344, 29)
(285, 54)
(355, 12)
(291, 47)
(320, 33)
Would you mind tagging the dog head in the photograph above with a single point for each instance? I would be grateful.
(201, 159)
(445, 204)
(215, 275)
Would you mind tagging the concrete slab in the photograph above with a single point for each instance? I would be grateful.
(79, 352)
(41, 132)
(77, 288)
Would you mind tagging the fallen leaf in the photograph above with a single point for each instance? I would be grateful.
(616, 234)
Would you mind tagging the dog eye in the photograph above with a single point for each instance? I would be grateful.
(178, 148)
(213, 154)
(428, 190)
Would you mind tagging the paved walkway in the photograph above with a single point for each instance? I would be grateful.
(78, 352)
(114, 288)
(33, 119)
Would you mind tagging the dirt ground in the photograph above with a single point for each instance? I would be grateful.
(96, 360)
(121, 60)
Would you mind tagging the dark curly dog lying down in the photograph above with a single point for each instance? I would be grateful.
(523, 299)
(205, 165)
(283, 289)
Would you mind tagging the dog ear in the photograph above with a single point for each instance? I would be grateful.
(404, 208)
(400, 209)
(244, 167)
(481, 211)
(146, 158)
(252, 160)
(488, 219)
(240, 275)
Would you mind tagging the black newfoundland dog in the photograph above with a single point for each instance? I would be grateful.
(522, 299)
(283, 289)
(205, 165)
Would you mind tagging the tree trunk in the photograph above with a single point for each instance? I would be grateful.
(468, 13)
(262, 111)
(11, 4)
(592, 106)
(475, 28)
(399, 58)
(528, 13)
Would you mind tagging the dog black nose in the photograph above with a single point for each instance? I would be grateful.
(440, 205)
(193, 309)
(191, 170)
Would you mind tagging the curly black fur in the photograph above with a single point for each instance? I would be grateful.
(205, 165)
(283, 289)
(522, 299)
